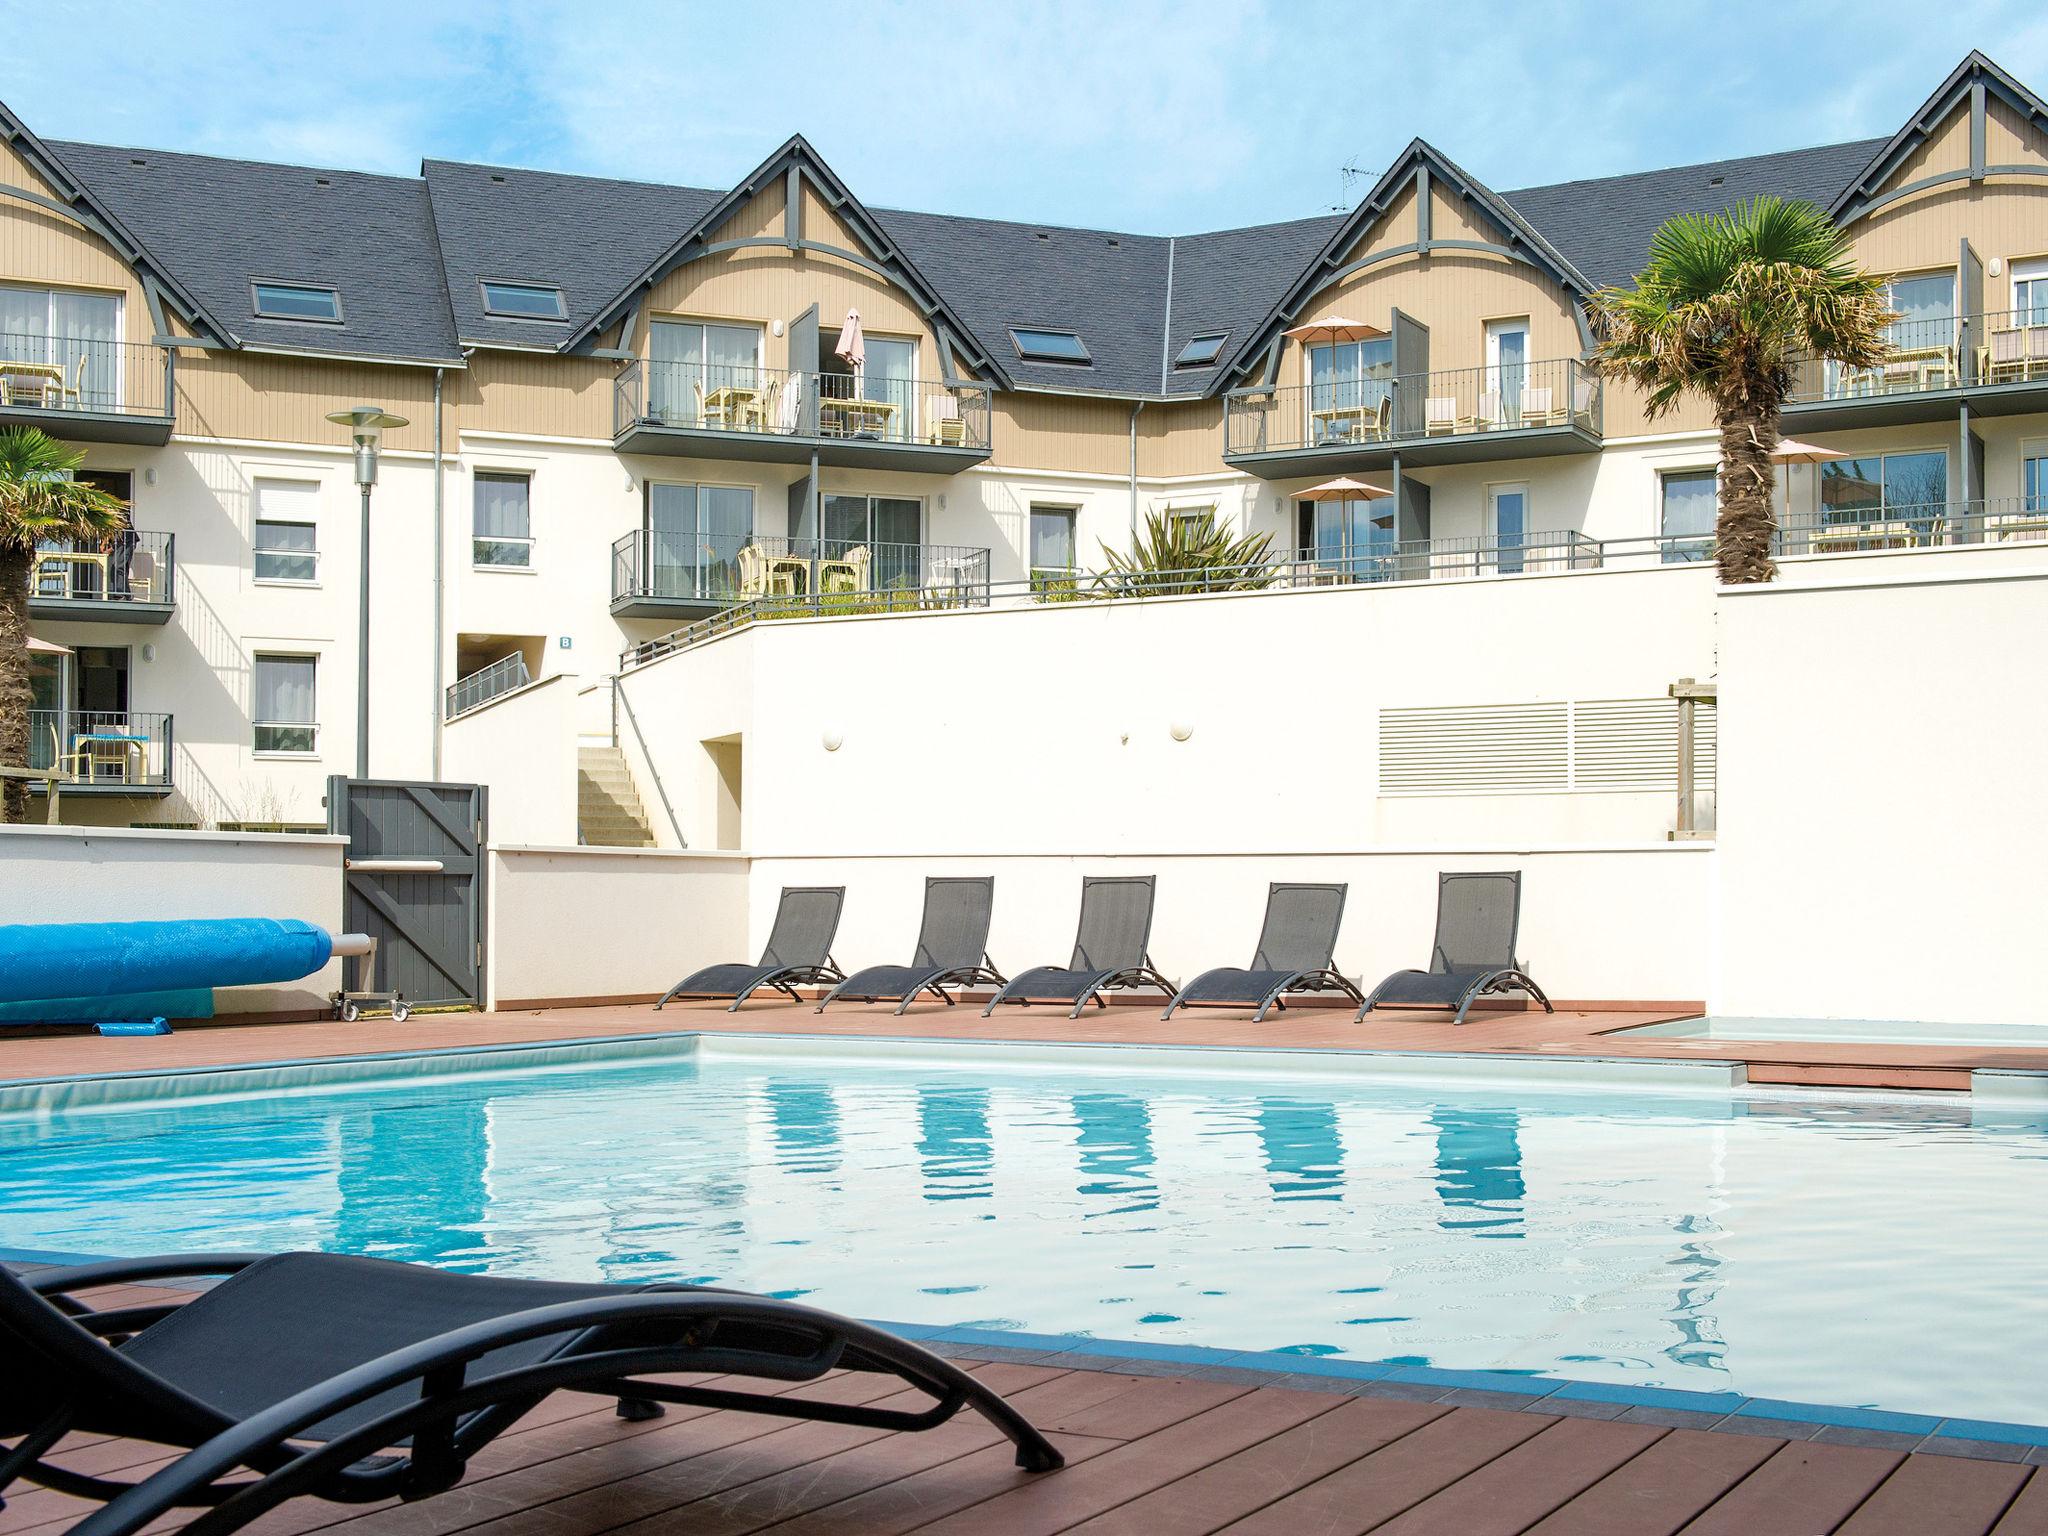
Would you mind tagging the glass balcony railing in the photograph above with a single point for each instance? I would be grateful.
(768, 402)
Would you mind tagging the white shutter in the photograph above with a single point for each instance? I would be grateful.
(1590, 746)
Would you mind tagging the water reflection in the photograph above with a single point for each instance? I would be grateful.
(1479, 1171)
(410, 1180)
(1114, 1144)
(953, 1143)
(804, 1122)
(1304, 1156)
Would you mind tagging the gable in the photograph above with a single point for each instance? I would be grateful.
(1949, 141)
(41, 245)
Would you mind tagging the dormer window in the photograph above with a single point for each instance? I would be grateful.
(523, 301)
(296, 301)
(1050, 347)
(1201, 351)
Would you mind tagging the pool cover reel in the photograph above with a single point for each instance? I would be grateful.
(82, 960)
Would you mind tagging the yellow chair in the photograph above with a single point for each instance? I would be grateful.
(944, 427)
(847, 574)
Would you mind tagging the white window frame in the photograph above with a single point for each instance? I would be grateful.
(1494, 491)
(484, 285)
(2026, 270)
(1067, 509)
(257, 552)
(256, 309)
(257, 727)
(51, 292)
(1667, 541)
(502, 472)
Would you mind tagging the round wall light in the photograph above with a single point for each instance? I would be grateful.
(832, 741)
(1180, 730)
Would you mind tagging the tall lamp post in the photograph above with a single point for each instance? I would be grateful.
(366, 424)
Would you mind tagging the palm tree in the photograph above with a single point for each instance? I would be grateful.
(1186, 553)
(39, 502)
(1725, 306)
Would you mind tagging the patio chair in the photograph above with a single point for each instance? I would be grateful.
(847, 574)
(142, 576)
(799, 952)
(1474, 953)
(357, 1380)
(1537, 409)
(1439, 415)
(1294, 956)
(944, 427)
(952, 949)
(1109, 950)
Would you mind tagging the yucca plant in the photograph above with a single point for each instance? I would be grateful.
(1186, 553)
(1724, 307)
(40, 502)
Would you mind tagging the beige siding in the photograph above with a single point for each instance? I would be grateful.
(1181, 439)
(2008, 141)
(286, 399)
(1395, 227)
(1948, 149)
(1064, 432)
(1622, 414)
(541, 396)
(43, 248)
(1454, 294)
(2006, 219)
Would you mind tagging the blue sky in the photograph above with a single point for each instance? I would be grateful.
(1137, 115)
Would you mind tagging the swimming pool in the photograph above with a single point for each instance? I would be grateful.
(1874, 1252)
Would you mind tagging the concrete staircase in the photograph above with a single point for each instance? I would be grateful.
(608, 813)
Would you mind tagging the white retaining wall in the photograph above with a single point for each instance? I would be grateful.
(523, 746)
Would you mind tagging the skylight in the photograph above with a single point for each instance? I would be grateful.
(296, 301)
(523, 301)
(1050, 346)
(1201, 351)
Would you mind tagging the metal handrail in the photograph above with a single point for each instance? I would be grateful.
(61, 739)
(1939, 352)
(1390, 407)
(71, 374)
(731, 397)
(141, 567)
(710, 567)
(505, 675)
(654, 771)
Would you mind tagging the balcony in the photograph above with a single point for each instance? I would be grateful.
(694, 410)
(131, 581)
(659, 575)
(1456, 417)
(87, 391)
(1998, 362)
(102, 752)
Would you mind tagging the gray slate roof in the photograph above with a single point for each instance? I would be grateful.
(219, 223)
(408, 253)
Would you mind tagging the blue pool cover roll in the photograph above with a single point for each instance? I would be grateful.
(72, 960)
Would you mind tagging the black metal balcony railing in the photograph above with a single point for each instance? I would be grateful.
(734, 568)
(770, 402)
(503, 676)
(102, 749)
(1936, 353)
(1464, 402)
(66, 374)
(133, 567)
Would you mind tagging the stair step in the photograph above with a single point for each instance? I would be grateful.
(608, 809)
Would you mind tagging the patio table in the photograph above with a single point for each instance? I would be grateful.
(44, 379)
(858, 416)
(130, 751)
(733, 403)
(64, 559)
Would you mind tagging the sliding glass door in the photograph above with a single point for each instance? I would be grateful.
(889, 527)
(76, 336)
(694, 537)
(697, 369)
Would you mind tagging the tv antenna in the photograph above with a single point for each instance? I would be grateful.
(1350, 173)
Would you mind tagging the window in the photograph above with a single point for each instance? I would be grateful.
(1052, 541)
(72, 342)
(281, 704)
(1350, 390)
(1507, 371)
(2030, 292)
(891, 528)
(1050, 346)
(693, 540)
(888, 375)
(294, 301)
(1689, 502)
(286, 538)
(1507, 524)
(502, 533)
(690, 362)
(1884, 488)
(1201, 351)
(2034, 476)
(523, 301)
(1348, 540)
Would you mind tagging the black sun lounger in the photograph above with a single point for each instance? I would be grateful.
(799, 952)
(357, 1380)
(1295, 952)
(1477, 916)
(1109, 951)
(952, 949)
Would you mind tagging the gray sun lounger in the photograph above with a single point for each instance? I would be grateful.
(1109, 950)
(1477, 918)
(952, 949)
(1295, 952)
(799, 952)
(358, 1380)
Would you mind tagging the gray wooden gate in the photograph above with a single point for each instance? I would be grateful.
(429, 927)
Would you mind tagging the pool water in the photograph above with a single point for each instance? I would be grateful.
(1859, 1253)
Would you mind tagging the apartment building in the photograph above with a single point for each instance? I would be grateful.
(631, 406)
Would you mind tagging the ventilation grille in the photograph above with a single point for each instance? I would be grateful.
(1588, 746)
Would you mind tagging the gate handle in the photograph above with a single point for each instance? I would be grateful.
(393, 866)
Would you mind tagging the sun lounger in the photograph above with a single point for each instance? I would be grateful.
(799, 952)
(1294, 955)
(358, 1380)
(1109, 950)
(952, 949)
(1477, 916)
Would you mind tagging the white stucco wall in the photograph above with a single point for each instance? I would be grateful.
(107, 874)
(591, 924)
(1882, 841)
(523, 746)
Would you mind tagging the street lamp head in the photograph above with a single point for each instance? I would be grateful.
(366, 424)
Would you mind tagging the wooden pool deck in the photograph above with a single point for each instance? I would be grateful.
(1152, 1447)
(1568, 1032)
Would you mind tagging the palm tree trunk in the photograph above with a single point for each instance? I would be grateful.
(1742, 532)
(14, 690)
